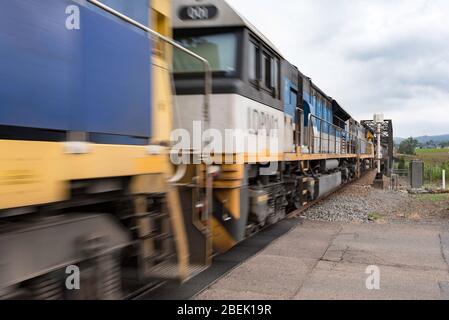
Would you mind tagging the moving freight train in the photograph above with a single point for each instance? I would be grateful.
(87, 177)
(85, 114)
(318, 146)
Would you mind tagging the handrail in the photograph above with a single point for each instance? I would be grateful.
(336, 128)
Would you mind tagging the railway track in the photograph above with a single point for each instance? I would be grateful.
(138, 294)
(296, 213)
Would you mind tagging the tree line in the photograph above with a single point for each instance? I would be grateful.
(409, 146)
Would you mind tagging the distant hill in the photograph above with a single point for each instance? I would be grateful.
(440, 138)
(424, 139)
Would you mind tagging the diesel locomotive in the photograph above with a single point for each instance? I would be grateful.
(318, 146)
(91, 93)
(85, 121)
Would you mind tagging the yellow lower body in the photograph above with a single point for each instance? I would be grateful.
(36, 173)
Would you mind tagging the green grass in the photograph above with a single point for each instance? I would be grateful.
(435, 161)
(374, 216)
(426, 151)
(433, 197)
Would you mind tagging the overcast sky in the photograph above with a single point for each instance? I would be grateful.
(389, 56)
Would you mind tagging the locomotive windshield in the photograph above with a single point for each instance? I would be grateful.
(219, 49)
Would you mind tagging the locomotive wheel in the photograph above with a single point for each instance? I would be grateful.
(100, 280)
(110, 280)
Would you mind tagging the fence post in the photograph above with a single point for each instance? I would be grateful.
(444, 179)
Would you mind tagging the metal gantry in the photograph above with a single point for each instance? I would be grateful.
(386, 132)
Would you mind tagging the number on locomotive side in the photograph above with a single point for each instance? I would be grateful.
(198, 13)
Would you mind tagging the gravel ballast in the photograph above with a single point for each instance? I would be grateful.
(357, 203)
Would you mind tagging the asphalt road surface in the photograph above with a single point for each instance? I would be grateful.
(324, 260)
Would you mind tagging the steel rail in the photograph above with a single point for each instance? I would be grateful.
(296, 213)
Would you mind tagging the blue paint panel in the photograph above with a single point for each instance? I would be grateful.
(116, 77)
(95, 79)
(319, 110)
(307, 108)
(39, 64)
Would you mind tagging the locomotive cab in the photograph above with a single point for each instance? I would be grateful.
(246, 67)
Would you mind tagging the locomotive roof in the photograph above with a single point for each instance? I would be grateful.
(340, 112)
(225, 16)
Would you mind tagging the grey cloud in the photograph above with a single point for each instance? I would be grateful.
(410, 47)
(371, 55)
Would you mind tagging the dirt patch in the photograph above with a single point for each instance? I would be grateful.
(361, 203)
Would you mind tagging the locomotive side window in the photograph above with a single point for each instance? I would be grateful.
(254, 57)
(266, 70)
(219, 49)
(275, 75)
(263, 68)
(293, 97)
